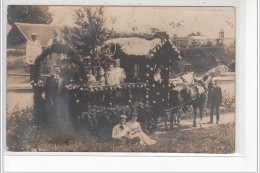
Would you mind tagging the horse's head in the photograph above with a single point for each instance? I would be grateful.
(176, 94)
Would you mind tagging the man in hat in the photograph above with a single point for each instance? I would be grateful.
(121, 131)
(53, 94)
(215, 101)
(33, 50)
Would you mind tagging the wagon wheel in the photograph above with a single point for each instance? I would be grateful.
(151, 124)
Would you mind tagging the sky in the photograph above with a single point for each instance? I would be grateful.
(207, 20)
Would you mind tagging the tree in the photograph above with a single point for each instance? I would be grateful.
(90, 32)
(156, 33)
(28, 14)
(195, 34)
(177, 25)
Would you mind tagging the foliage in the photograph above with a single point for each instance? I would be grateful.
(156, 33)
(90, 31)
(99, 116)
(195, 34)
(22, 133)
(228, 102)
(202, 140)
(28, 14)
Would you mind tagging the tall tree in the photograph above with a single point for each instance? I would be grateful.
(28, 14)
(90, 31)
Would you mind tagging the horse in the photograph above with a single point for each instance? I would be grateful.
(176, 104)
(186, 95)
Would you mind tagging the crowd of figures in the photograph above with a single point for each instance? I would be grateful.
(59, 102)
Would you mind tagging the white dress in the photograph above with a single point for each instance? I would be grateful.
(110, 78)
(119, 75)
(136, 131)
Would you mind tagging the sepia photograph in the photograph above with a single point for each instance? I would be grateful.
(121, 79)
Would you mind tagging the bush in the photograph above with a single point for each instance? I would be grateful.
(228, 102)
(22, 134)
(100, 117)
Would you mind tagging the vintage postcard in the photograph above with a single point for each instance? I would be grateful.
(120, 79)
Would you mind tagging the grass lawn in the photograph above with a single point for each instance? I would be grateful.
(23, 135)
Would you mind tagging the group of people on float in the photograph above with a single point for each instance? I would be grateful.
(115, 75)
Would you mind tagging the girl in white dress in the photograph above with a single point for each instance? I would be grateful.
(136, 132)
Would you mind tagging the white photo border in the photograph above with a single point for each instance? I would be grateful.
(245, 158)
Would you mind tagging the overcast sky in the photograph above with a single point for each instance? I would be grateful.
(207, 20)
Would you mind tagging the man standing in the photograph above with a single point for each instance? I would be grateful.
(215, 101)
(53, 94)
(33, 50)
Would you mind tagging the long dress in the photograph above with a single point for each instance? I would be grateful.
(136, 131)
(110, 78)
(119, 75)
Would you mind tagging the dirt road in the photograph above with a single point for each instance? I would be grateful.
(187, 124)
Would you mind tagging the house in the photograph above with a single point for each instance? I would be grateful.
(21, 33)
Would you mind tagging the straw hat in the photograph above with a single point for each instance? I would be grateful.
(123, 117)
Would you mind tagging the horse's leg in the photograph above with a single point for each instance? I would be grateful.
(174, 116)
(201, 111)
(195, 115)
(201, 114)
(178, 114)
(165, 120)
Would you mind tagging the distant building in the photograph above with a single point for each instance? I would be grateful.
(181, 41)
(21, 33)
(198, 40)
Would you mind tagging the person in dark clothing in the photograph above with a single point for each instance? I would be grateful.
(215, 101)
(210, 88)
(54, 93)
(67, 71)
